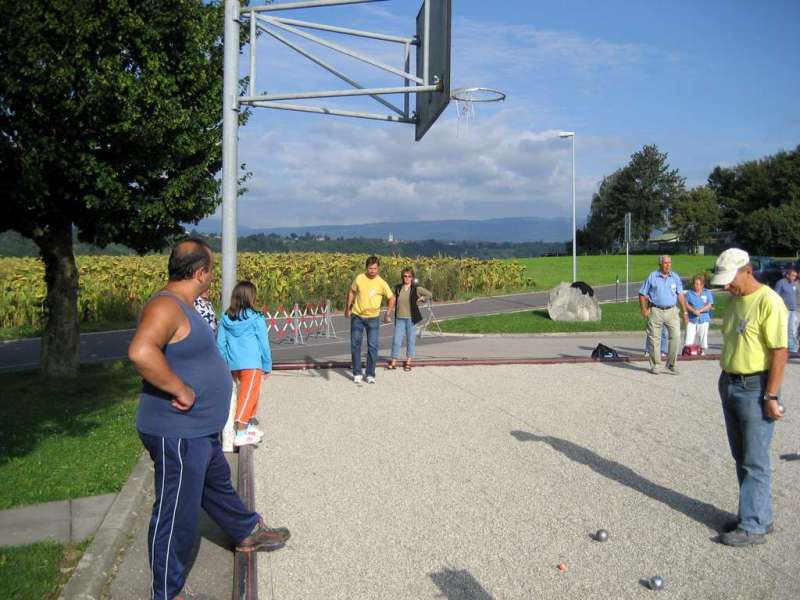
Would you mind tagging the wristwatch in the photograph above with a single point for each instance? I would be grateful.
(768, 397)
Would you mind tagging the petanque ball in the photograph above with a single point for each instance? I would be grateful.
(601, 535)
(781, 408)
(656, 583)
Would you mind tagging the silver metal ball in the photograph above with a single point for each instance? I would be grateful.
(601, 535)
(781, 408)
(656, 583)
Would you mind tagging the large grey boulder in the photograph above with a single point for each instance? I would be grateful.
(569, 303)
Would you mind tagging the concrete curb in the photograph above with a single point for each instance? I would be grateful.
(556, 334)
(94, 568)
(485, 362)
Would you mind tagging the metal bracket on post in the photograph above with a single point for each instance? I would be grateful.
(262, 19)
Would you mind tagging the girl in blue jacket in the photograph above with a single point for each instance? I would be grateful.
(244, 344)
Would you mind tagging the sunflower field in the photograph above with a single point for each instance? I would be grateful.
(114, 288)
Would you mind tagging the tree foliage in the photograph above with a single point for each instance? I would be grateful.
(760, 200)
(646, 187)
(696, 216)
(110, 121)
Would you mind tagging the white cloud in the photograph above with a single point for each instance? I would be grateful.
(336, 171)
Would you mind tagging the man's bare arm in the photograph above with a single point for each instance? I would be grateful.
(780, 356)
(160, 321)
(390, 309)
(644, 305)
(348, 303)
(682, 300)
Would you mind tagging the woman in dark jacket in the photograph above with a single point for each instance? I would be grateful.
(406, 316)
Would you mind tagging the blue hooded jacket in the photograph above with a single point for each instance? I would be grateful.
(243, 343)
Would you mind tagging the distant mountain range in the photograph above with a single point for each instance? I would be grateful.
(515, 229)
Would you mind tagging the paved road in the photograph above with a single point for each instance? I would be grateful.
(111, 345)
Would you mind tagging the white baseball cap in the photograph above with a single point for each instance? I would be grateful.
(728, 264)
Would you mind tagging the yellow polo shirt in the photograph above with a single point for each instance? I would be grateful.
(753, 326)
(369, 295)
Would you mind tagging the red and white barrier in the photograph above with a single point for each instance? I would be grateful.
(296, 326)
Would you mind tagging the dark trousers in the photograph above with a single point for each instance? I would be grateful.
(189, 474)
(357, 327)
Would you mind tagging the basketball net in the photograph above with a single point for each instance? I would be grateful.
(467, 98)
(465, 110)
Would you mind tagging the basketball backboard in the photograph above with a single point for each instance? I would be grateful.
(431, 104)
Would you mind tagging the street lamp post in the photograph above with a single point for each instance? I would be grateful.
(571, 134)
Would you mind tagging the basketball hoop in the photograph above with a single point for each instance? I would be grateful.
(467, 98)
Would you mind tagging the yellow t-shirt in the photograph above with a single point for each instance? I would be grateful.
(369, 295)
(753, 326)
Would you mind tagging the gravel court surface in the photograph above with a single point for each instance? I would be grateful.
(476, 482)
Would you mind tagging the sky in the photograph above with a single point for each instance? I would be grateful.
(710, 83)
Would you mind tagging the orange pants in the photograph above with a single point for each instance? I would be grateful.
(249, 389)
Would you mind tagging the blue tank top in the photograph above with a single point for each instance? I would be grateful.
(196, 360)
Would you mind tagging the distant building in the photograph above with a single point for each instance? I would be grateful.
(391, 238)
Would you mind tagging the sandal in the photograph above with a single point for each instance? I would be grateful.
(391, 366)
(407, 367)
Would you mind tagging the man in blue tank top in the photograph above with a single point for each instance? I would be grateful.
(183, 407)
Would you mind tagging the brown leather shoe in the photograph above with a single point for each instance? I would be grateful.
(264, 539)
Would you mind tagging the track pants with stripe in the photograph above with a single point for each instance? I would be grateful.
(189, 474)
(249, 382)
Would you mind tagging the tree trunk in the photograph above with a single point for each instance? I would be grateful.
(61, 337)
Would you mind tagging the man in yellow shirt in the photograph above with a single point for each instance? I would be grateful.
(754, 355)
(364, 304)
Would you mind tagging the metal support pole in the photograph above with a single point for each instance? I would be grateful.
(426, 45)
(574, 230)
(306, 4)
(628, 228)
(407, 67)
(230, 127)
(252, 87)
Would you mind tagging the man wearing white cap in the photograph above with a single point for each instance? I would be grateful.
(754, 355)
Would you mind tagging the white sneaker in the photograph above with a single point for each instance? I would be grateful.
(370, 379)
(357, 378)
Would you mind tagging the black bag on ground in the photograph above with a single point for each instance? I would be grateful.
(604, 352)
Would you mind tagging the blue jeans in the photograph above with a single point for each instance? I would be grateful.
(749, 436)
(404, 328)
(357, 327)
(792, 331)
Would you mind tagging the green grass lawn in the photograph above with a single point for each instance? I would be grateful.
(64, 439)
(37, 571)
(616, 317)
(27, 331)
(549, 271)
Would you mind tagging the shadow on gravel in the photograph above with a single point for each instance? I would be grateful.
(702, 512)
(459, 585)
(627, 365)
(320, 368)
